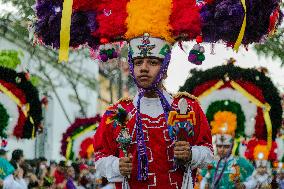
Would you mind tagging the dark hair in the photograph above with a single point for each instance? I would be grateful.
(3, 152)
(42, 159)
(53, 162)
(33, 184)
(62, 164)
(17, 154)
(14, 164)
(27, 168)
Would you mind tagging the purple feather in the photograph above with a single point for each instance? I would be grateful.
(223, 19)
(48, 25)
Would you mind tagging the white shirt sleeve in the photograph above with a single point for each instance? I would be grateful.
(202, 156)
(8, 182)
(11, 183)
(108, 167)
(22, 183)
(250, 183)
(203, 183)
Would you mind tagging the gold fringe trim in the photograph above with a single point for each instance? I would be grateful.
(185, 94)
(125, 99)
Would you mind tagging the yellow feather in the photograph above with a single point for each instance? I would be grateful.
(149, 17)
(224, 123)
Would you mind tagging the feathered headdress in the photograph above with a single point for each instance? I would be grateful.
(80, 22)
(258, 151)
(223, 127)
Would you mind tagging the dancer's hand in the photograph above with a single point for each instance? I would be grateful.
(125, 165)
(239, 185)
(182, 151)
(207, 186)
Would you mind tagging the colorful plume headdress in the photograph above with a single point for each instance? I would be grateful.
(223, 127)
(77, 141)
(258, 107)
(79, 22)
(20, 106)
(258, 150)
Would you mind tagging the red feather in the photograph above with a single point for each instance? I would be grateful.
(253, 143)
(111, 19)
(273, 20)
(185, 19)
(84, 146)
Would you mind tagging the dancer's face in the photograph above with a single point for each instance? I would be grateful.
(70, 172)
(223, 150)
(146, 70)
(261, 170)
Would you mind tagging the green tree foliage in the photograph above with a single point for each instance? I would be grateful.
(9, 58)
(274, 46)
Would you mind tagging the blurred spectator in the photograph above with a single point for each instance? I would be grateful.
(17, 158)
(59, 175)
(8, 181)
(3, 154)
(70, 178)
(40, 174)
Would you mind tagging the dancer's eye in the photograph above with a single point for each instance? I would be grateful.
(154, 62)
(138, 62)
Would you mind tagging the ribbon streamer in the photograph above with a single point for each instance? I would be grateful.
(69, 147)
(243, 28)
(65, 30)
(211, 89)
(236, 144)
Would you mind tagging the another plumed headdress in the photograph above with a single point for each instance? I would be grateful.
(223, 127)
(257, 150)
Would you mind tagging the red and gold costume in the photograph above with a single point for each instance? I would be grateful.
(158, 142)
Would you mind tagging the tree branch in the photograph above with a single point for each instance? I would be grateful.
(55, 92)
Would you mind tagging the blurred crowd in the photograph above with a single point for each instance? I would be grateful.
(20, 173)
